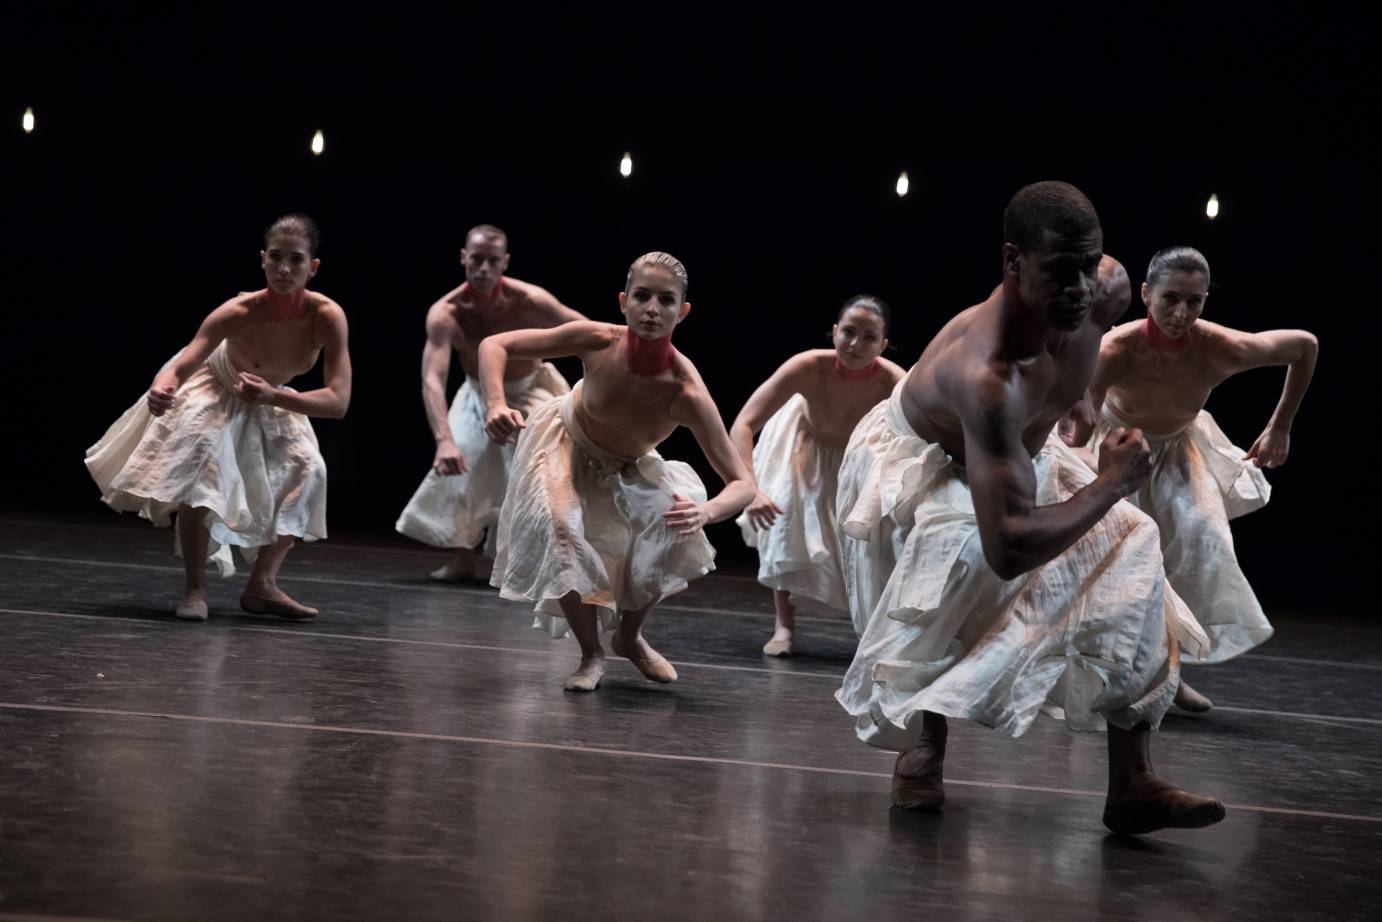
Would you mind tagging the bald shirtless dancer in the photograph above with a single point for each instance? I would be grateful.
(458, 501)
(993, 570)
(1156, 374)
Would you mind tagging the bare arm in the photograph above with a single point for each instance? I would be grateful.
(332, 399)
(1113, 295)
(442, 331)
(1078, 424)
(697, 411)
(442, 334)
(1296, 349)
(219, 324)
(789, 379)
(1017, 534)
(579, 338)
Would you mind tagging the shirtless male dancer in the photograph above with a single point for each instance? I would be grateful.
(459, 499)
(993, 570)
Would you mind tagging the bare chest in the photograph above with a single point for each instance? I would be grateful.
(632, 413)
(1153, 386)
(834, 407)
(276, 351)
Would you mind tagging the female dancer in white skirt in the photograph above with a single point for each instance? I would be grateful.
(596, 525)
(1155, 374)
(806, 411)
(220, 440)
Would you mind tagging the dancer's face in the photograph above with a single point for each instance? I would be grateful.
(485, 259)
(288, 263)
(1058, 278)
(653, 304)
(1176, 301)
(858, 337)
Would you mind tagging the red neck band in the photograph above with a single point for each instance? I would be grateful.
(1159, 340)
(285, 307)
(648, 356)
(856, 374)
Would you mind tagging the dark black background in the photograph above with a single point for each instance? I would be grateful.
(765, 151)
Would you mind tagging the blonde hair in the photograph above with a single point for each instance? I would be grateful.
(663, 260)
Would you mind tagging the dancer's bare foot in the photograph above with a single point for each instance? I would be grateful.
(1191, 701)
(780, 644)
(260, 600)
(649, 662)
(1147, 803)
(587, 677)
(918, 782)
(193, 607)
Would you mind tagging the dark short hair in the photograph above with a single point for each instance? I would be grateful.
(1057, 207)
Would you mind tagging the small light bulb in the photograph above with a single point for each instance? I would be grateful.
(626, 165)
(318, 142)
(903, 184)
(1211, 208)
(28, 121)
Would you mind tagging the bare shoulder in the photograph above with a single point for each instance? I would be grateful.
(240, 305)
(687, 372)
(442, 314)
(1217, 333)
(893, 371)
(692, 404)
(812, 361)
(949, 356)
(233, 312)
(329, 314)
(1223, 345)
(525, 291)
(327, 306)
(1114, 293)
(1119, 340)
(982, 392)
(583, 336)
